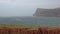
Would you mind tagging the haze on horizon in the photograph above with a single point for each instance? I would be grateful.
(25, 7)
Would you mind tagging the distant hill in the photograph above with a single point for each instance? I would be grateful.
(47, 12)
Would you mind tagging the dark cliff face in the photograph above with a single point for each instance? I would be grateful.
(48, 12)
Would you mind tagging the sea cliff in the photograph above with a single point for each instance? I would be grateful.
(48, 12)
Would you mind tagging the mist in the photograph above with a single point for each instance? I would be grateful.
(25, 7)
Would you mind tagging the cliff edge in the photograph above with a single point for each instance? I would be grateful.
(47, 12)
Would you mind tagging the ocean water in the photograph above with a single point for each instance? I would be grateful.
(31, 21)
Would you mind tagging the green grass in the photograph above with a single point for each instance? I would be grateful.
(15, 26)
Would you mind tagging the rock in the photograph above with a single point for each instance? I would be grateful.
(47, 12)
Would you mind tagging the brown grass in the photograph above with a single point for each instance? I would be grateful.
(29, 31)
(34, 30)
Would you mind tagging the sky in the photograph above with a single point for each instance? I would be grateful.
(25, 7)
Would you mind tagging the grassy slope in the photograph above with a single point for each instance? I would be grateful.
(14, 26)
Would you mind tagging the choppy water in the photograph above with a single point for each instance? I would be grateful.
(32, 21)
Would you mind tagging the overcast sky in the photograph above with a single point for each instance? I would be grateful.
(25, 7)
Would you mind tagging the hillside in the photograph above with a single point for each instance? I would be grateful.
(47, 12)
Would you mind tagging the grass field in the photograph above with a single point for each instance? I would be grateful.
(15, 29)
(15, 26)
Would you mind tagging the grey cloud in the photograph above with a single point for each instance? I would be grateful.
(26, 7)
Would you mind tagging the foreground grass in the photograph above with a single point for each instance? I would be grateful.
(15, 26)
(15, 29)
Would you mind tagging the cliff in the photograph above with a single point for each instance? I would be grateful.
(47, 12)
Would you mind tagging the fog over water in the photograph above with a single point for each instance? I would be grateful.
(25, 7)
(11, 8)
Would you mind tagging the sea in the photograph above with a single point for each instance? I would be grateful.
(31, 21)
